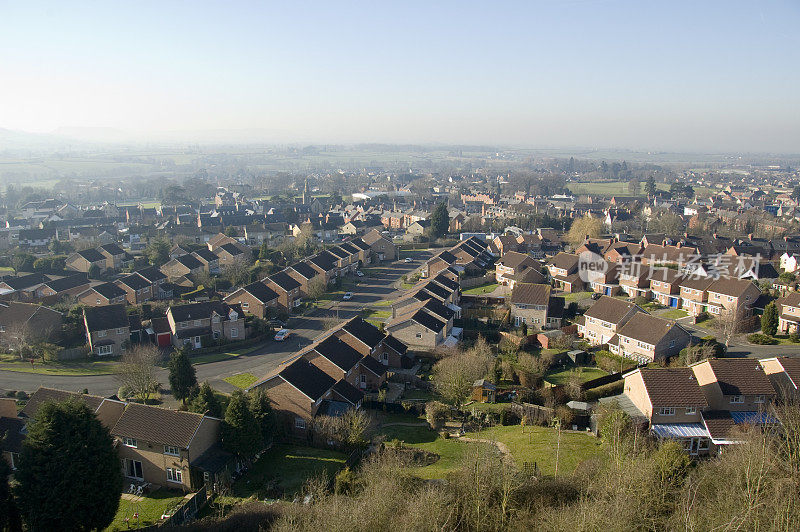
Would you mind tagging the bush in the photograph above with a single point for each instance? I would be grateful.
(606, 390)
(794, 337)
(21, 396)
(608, 361)
(761, 339)
(641, 301)
(436, 414)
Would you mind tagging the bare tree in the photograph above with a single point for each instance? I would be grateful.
(727, 325)
(454, 374)
(137, 371)
(238, 271)
(316, 288)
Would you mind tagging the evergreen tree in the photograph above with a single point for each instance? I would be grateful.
(9, 514)
(262, 411)
(182, 377)
(241, 433)
(69, 473)
(206, 402)
(769, 320)
(440, 221)
(650, 186)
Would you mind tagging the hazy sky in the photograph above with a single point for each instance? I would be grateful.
(671, 75)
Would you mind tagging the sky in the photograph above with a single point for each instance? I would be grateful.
(669, 75)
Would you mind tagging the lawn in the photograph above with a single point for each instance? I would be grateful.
(482, 289)
(383, 303)
(241, 380)
(290, 466)
(150, 509)
(576, 296)
(12, 363)
(419, 395)
(538, 445)
(450, 451)
(377, 314)
(562, 376)
(673, 314)
(216, 357)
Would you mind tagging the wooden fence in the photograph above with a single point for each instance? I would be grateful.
(470, 282)
(188, 509)
(540, 415)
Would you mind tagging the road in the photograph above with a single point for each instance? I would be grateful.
(381, 284)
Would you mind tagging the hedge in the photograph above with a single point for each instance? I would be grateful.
(607, 390)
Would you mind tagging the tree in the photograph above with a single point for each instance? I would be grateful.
(262, 411)
(237, 272)
(205, 402)
(182, 376)
(241, 433)
(9, 513)
(584, 227)
(728, 325)
(136, 372)
(769, 320)
(21, 261)
(157, 252)
(650, 186)
(440, 221)
(68, 471)
(454, 374)
(316, 288)
(633, 186)
(231, 231)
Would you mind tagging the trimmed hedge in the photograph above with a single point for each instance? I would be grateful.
(607, 390)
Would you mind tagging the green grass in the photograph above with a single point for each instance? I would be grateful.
(241, 380)
(494, 408)
(422, 395)
(576, 296)
(290, 466)
(377, 314)
(4, 270)
(561, 377)
(12, 363)
(673, 314)
(482, 289)
(383, 303)
(150, 509)
(538, 444)
(609, 188)
(450, 451)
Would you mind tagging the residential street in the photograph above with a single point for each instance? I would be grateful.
(381, 284)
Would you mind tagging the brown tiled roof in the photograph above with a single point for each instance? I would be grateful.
(609, 309)
(530, 294)
(791, 366)
(49, 394)
(158, 425)
(565, 261)
(696, 282)
(646, 328)
(719, 423)
(512, 259)
(741, 376)
(673, 387)
(530, 275)
(730, 286)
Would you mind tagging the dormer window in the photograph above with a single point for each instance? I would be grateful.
(691, 410)
(737, 399)
(760, 399)
(130, 442)
(667, 411)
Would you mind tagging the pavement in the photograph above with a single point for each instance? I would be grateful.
(379, 285)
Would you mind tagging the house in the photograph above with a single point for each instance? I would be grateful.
(732, 295)
(232, 253)
(563, 269)
(513, 267)
(789, 313)
(256, 299)
(183, 265)
(303, 273)
(673, 403)
(634, 279)
(418, 228)
(605, 280)
(789, 262)
(102, 294)
(13, 430)
(164, 447)
(784, 374)
(735, 384)
(369, 341)
(665, 286)
(342, 362)
(534, 306)
(287, 288)
(116, 257)
(29, 323)
(647, 338)
(108, 329)
(55, 289)
(22, 287)
(423, 325)
(694, 293)
(197, 323)
(383, 248)
(604, 318)
(440, 262)
(107, 410)
(300, 391)
(158, 281)
(325, 264)
(84, 260)
(209, 259)
(137, 289)
(220, 240)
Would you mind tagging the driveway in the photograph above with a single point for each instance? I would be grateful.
(377, 286)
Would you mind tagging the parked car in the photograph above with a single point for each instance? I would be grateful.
(408, 259)
(277, 324)
(596, 296)
(282, 335)
(347, 296)
(360, 273)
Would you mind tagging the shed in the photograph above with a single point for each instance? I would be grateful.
(484, 391)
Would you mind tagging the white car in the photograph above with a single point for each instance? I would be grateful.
(360, 273)
(347, 296)
(408, 259)
(282, 335)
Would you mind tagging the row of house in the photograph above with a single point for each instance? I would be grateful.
(710, 404)
(470, 256)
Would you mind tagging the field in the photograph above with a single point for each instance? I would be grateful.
(289, 466)
(609, 188)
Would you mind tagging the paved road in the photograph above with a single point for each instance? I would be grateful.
(381, 284)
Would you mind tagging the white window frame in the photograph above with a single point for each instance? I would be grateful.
(760, 399)
(737, 399)
(103, 350)
(130, 442)
(101, 334)
(299, 423)
(175, 475)
(234, 332)
(171, 450)
(666, 411)
(690, 410)
(120, 331)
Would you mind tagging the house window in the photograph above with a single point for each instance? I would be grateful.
(215, 319)
(172, 450)
(234, 332)
(300, 423)
(120, 331)
(759, 399)
(197, 323)
(737, 399)
(419, 335)
(101, 334)
(667, 411)
(97, 300)
(245, 305)
(2, 328)
(691, 410)
(174, 475)
(105, 349)
(129, 442)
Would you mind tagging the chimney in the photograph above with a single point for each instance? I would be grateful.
(750, 236)
(715, 236)
(678, 245)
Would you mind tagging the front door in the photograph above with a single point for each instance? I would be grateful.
(197, 344)
(363, 382)
(695, 447)
(133, 469)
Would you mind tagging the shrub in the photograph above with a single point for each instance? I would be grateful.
(436, 414)
(606, 390)
(761, 339)
(794, 337)
(641, 301)
(21, 396)
(608, 361)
